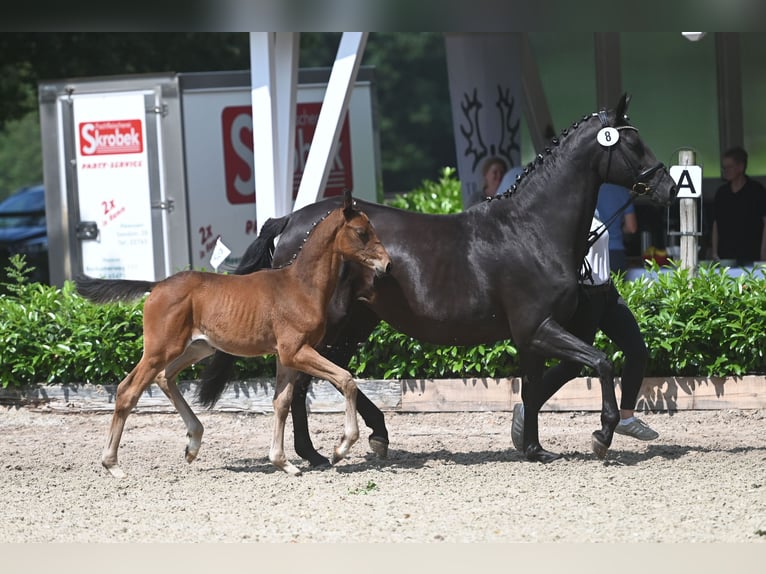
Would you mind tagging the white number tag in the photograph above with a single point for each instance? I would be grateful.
(608, 136)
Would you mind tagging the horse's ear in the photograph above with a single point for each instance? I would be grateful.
(621, 112)
(348, 202)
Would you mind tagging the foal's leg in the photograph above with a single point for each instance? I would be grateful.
(308, 360)
(282, 398)
(166, 380)
(128, 393)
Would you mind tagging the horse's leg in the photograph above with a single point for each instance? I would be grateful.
(355, 328)
(166, 380)
(282, 397)
(128, 393)
(552, 340)
(308, 360)
(532, 366)
(302, 443)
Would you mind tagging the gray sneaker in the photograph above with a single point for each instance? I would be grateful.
(637, 429)
(517, 426)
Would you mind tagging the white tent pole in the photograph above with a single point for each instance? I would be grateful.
(324, 146)
(274, 78)
(287, 51)
(263, 94)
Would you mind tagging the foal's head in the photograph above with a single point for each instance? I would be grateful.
(357, 241)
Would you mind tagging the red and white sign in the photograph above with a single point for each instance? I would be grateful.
(237, 126)
(113, 188)
(111, 137)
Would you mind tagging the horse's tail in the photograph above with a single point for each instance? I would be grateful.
(257, 256)
(259, 253)
(108, 290)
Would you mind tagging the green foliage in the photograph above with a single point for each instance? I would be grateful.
(52, 335)
(371, 486)
(708, 324)
(442, 196)
(21, 161)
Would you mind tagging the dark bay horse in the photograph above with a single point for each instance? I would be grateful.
(277, 311)
(504, 269)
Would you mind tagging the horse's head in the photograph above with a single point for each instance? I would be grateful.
(627, 160)
(357, 240)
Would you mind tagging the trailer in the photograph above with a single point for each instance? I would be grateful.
(144, 174)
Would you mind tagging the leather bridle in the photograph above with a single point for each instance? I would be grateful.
(640, 185)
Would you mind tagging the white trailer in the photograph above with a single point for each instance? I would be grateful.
(143, 173)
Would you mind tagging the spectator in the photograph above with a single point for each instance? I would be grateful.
(739, 213)
(611, 198)
(492, 172)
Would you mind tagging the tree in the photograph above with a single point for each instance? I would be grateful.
(414, 117)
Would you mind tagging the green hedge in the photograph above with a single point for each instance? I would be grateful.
(709, 324)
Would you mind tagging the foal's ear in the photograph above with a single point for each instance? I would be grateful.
(620, 113)
(348, 203)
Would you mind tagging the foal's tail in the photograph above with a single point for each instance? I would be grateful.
(108, 290)
(257, 256)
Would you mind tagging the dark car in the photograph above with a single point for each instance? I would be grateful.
(23, 230)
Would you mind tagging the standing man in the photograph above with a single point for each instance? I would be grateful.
(739, 213)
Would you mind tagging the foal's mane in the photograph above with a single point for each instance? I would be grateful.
(305, 239)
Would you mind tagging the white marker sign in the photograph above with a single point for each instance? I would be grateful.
(688, 179)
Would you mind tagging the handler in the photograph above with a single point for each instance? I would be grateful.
(600, 306)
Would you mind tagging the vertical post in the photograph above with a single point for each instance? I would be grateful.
(688, 223)
(324, 146)
(273, 76)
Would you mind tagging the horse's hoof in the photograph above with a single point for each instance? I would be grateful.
(599, 447)
(379, 446)
(542, 455)
(318, 461)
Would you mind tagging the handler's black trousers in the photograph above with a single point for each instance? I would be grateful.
(602, 308)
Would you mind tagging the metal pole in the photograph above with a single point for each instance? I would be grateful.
(688, 217)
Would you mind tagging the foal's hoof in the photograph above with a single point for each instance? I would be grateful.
(599, 447)
(115, 471)
(293, 470)
(190, 455)
(539, 454)
(379, 446)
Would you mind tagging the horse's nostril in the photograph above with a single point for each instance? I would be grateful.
(388, 267)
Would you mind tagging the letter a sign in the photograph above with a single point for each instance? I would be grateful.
(688, 179)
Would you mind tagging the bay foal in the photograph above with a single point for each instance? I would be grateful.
(283, 311)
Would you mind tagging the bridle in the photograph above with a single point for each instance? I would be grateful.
(639, 187)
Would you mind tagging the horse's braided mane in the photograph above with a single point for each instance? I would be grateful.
(305, 239)
(531, 166)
